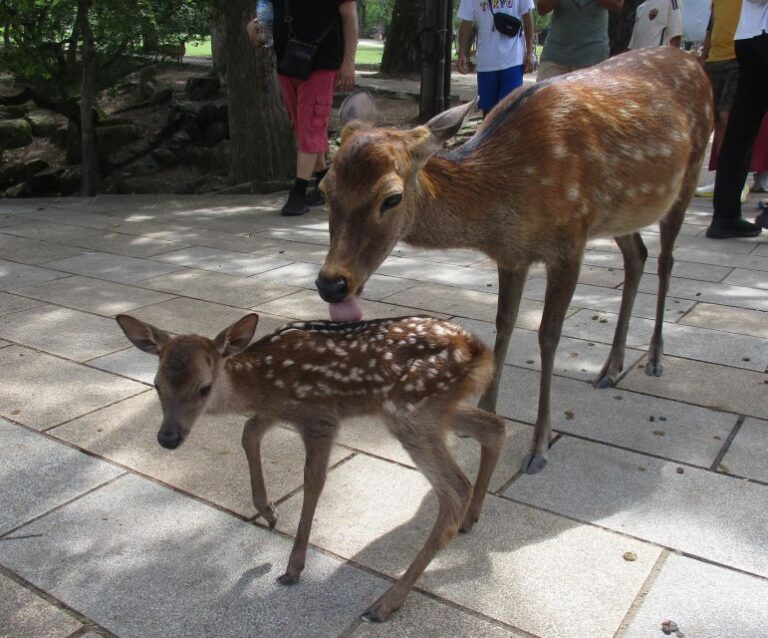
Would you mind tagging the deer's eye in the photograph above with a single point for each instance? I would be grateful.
(391, 201)
(205, 390)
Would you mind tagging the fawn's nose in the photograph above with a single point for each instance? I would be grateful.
(170, 439)
(332, 290)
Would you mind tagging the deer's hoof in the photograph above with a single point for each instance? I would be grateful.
(270, 516)
(534, 463)
(606, 381)
(654, 369)
(287, 580)
(467, 524)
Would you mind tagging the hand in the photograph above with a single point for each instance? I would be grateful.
(531, 62)
(254, 34)
(347, 76)
(462, 64)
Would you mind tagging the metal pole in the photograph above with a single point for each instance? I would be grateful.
(427, 41)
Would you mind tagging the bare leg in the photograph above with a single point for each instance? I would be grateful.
(453, 492)
(318, 443)
(253, 432)
(488, 430)
(561, 282)
(511, 283)
(635, 254)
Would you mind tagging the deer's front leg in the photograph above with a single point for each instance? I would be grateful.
(561, 282)
(511, 283)
(318, 441)
(254, 430)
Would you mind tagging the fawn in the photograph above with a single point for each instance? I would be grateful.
(600, 152)
(414, 372)
(174, 51)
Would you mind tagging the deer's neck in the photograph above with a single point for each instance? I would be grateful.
(239, 388)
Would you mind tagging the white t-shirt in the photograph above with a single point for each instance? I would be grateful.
(494, 50)
(753, 20)
(656, 23)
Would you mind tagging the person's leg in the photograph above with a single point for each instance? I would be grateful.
(295, 204)
(749, 106)
(487, 90)
(723, 75)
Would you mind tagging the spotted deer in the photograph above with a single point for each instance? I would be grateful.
(414, 372)
(174, 51)
(600, 152)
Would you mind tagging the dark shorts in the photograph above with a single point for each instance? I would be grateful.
(724, 76)
(494, 85)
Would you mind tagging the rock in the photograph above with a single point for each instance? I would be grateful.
(201, 88)
(59, 136)
(20, 110)
(15, 133)
(219, 158)
(70, 179)
(164, 156)
(222, 113)
(11, 174)
(208, 114)
(141, 186)
(19, 190)
(180, 139)
(215, 133)
(145, 166)
(45, 182)
(161, 94)
(115, 136)
(43, 123)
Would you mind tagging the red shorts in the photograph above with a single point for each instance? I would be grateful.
(308, 103)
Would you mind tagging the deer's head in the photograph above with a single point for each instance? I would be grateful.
(188, 371)
(371, 190)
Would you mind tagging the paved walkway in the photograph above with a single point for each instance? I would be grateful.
(653, 507)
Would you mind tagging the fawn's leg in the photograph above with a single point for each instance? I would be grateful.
(254, 430)
(634, 252)
(453, 493)
(318, 441)
(669, 227)
(561, 282)
(488, 430)
(511, 283)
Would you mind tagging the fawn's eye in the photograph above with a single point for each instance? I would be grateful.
(391, 201)
(205, 390)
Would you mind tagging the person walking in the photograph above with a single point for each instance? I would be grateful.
(501, 59)
(333, 25)
(658, 23)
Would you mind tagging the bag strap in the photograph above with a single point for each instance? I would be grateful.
(292, 33)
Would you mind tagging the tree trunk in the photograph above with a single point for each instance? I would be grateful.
(263, 149)
(219, 46)
(620, 25)
(90, 183)
(361, 18)
(401, 52)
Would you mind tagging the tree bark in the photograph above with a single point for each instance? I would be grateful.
(401, 52)
(263, 149)
(90, 181)
(219, 46)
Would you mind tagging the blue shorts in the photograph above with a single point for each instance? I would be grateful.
(492, 86)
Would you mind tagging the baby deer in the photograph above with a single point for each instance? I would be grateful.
(174, 51)
(414, 372)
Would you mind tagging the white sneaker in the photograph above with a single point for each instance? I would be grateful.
(705, 191)
(745, 193)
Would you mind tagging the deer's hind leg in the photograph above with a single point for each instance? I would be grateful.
(425, 442)
(669, 228)
(635, 253)
(254, 431)
(489, 431)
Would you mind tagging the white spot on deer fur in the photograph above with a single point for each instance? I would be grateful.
(389, 407)
(458, 356)
(530, 170)
(573, 192)
(547, 181)
(279, 383)
(287, 363)
(559, 151)
(372, 363)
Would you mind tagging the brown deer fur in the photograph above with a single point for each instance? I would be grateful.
(600, 152)
(413, 372)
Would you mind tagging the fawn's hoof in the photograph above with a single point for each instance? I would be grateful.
(654, 369)
(372, 615)
(605, 381)
(534, 463)
(270, 516)
(467, 524)
(287, 580)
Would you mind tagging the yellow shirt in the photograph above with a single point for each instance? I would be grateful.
(726, 14)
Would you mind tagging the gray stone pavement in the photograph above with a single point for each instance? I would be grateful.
(652, 509)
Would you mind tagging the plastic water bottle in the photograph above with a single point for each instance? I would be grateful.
(265, 15)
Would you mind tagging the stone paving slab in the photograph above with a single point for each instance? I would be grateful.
(128, 245)
(713, 516)
(440, 273)
(92, 295)
(725, 294)
(737, 320)
(72, 334)
(669, 429)
(117, 268)
(14, 275)
(718, 387)
(131, 363)
(210, 464)
(13, 303)
(751, 278)
(24, 613)
(44, 474)
(225, 261)
(143, 561)
(685, 269)
(42, 230)
(705, 601)
(746, 455)
(71, 215)
(39, 390)
(188, 316)
(497, 568)
(34, 251)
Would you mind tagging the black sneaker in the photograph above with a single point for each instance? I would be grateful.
(315, 198)
(720, 229)
(762, 219)
(296, 205)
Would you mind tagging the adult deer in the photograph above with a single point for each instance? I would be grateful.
(414, 372)
(601, 152)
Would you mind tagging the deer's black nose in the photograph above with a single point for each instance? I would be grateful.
(170, 439)
(333, 290)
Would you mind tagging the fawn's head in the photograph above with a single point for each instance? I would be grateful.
(188, 369)
(371, 189)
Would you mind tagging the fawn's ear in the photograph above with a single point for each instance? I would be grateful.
(446, 124)
(143, 335)
(237, 337)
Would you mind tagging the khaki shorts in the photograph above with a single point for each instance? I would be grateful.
(724, 76)
(549, 69)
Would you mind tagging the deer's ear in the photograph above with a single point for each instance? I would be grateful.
(237, 337)
(359, 106)
(143, 335)
(446, 124)
(353, 127)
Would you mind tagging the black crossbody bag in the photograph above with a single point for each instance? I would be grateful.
(296, 61)
(504, 23)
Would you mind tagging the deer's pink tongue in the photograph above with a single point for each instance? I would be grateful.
(347, 310)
